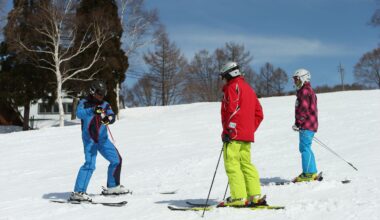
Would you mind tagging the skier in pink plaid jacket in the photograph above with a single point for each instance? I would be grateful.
(306, 123)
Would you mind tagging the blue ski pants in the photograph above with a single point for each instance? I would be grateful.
(307, 155)
(110, 153)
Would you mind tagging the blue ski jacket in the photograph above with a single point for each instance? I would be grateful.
(92, 127)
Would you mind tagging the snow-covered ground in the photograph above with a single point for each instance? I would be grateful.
(177, 147)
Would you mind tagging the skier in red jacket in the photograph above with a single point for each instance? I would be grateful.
(241, 115)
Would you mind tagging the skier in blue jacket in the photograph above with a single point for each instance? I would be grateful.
(95, 115)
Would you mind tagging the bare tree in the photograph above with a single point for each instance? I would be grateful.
(139, 25)
(203, 82)
(375, 19)
(367, 70)
(166, 65)
(236, 52)
(142, 93)
(57, 31)
(279, 81)
(3, 18)
(202, 78)
(3, 15)
(265, 78)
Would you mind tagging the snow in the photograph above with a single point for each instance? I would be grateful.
(177, 147)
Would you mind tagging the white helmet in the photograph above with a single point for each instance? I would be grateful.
(301, 76)
(230, 70)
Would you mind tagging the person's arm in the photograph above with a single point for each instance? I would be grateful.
(259, 114)
(82, 111)
(110, 115)
(230, 108)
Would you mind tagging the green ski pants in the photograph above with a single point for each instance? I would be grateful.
(242, 174)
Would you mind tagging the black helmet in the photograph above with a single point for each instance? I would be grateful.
(98, 87)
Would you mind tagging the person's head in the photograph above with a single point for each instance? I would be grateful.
(98, 89)
(301, 76)
(230, 70)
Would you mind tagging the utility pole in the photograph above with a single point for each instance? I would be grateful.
(341, 72)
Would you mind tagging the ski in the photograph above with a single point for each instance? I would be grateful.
(197, 204)
(319, 178)
(113, 195)
(209, 208)
(290, 182)
(176, 208)
(113, 204)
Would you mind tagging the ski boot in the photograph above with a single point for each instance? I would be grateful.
(305, 177)
(80, 197)
(229, 202)
(117, 190)
(257, 200)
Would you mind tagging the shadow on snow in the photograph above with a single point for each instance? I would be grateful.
(57, 195)
(272, 180)
(182, 202)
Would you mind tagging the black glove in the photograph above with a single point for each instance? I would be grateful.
(98, 110)
(106, 121)
(226, 138)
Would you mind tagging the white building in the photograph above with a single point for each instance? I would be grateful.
(43, 114)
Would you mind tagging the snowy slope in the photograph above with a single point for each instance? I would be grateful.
(177, 147)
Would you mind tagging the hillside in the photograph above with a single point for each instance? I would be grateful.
(177, 147)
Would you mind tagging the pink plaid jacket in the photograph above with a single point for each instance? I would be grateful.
(306, 108)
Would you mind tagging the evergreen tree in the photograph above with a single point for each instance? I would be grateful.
(113, 63)
(22, 82)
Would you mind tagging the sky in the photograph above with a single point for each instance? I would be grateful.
(291, 34)
(312, 34)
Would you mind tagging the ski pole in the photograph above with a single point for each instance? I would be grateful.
(329, 149)
(225, 192)
(109, 130)
(212, 182)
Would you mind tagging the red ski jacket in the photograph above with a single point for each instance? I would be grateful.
(306, 108)
(241, 110)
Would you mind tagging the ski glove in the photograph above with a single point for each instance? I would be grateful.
(98, 110)
(106, 121)
(226, 138)
(295, 128)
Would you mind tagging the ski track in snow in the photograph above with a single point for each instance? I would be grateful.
(176, 148)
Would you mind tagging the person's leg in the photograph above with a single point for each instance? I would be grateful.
(308, 159)
(86, 170)
(110, 153)
(251, 175)
(231, 156)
